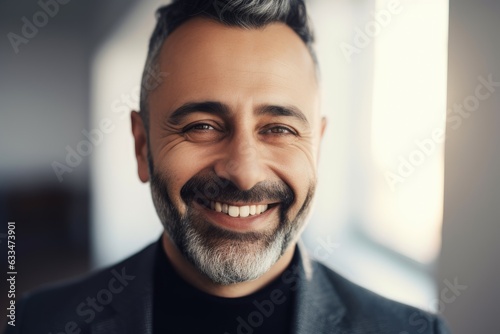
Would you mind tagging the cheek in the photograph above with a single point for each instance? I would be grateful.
(297, 167)
(179, 163)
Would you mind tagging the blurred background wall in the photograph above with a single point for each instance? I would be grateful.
(471, 225)
(44, 106)
(386, 67)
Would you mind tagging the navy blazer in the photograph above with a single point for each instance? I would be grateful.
(325, 303)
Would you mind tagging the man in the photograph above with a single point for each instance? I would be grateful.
(230, 144)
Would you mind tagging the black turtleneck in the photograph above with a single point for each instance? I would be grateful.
(178, 307)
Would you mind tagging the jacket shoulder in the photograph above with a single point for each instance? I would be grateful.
(75, 304)
(369, 312)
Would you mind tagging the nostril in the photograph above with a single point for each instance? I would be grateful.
(243, 170)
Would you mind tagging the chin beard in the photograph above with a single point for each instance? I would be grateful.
(223, 256)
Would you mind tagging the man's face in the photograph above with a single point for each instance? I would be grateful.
(234, 139)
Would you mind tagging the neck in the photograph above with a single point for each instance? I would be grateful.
(191, 275)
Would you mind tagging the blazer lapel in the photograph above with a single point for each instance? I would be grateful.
(318, 306)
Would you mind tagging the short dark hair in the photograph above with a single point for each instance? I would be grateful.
(248, 14)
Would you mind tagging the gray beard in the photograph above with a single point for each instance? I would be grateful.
(223, 256)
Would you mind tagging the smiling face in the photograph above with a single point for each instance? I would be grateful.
(234, 138)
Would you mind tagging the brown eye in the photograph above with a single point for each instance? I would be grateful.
(280, 130)
(202, 127)
(202, 132)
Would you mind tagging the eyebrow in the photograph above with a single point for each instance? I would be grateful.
(289, 111)
(222, 110)
(211, 107)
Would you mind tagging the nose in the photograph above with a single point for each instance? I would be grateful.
(242, 163)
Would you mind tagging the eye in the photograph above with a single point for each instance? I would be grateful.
(200, 127)
(202, 132)
(280, 130)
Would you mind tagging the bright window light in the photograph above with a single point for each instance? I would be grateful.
(408, 128)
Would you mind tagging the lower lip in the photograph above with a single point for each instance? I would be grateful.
(238, 224)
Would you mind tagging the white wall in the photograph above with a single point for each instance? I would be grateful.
(123, 216)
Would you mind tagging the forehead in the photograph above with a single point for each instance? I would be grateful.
(205, 60)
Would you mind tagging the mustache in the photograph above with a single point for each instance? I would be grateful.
(207, 187)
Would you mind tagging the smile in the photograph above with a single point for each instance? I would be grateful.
(239, 211)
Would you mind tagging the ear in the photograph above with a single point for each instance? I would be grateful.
(140, 146)
(323, 127)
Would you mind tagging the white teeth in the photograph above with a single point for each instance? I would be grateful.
(218, 206)
(244, 211)
(261, 208)
(234, 211)
(238, 211)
